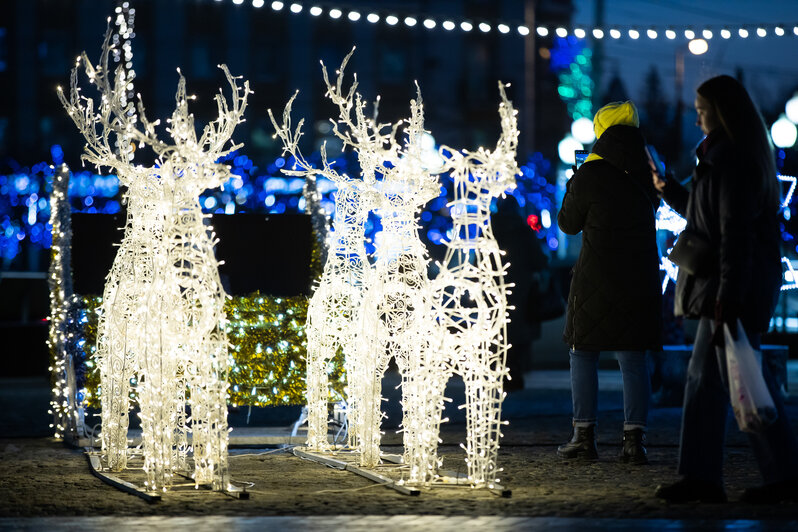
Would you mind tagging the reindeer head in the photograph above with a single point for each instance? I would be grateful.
(114, 130)
(484, 174)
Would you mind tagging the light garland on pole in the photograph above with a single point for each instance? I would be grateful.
(507, 27)
(162, 322)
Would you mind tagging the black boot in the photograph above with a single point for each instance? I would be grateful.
(582, 444)
(634, 450)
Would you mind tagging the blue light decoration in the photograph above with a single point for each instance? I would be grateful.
(25, 203)
(25, 199)
(571, 60)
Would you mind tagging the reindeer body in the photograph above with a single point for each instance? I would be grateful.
(470, 297)
(334, 310)
(162, 318)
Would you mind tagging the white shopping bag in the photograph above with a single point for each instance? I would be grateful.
(750, 399)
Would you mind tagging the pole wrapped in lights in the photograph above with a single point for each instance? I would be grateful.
(162, 321)
(65, 406)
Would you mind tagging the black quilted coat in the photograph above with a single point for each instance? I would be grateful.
(615, 302)
(725, 205)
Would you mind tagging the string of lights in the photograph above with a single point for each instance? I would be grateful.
(465, 25)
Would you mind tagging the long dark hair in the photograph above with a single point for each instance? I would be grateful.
(745, 127)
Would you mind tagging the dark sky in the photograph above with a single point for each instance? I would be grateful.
(770, 64)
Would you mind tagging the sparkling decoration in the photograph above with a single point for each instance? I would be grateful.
(334, 310)
(65, 405)
(470, 297)
(162, 321)
(384, 307)
(266, 358)
(392, 18)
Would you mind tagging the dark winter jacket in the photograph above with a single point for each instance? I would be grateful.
(725, 206)
(615, 302)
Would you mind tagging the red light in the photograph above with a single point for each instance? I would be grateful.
(533, 220)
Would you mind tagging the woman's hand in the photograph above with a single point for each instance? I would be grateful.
(659, 182)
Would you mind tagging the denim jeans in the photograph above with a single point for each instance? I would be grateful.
(636, 387)
(706, 408)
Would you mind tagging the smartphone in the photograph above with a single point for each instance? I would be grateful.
(579, 157)
(654, 160)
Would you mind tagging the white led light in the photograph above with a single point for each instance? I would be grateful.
(615, 33)
(761, 32)
(791, 109)
(296, 8)
(561, 32)
(484, 27)
(725, 33)
(258, 3)
(795, 30)
(466, 26)
(779, 31)
(373, 18)
(391, 20)
(151, 329)
(448, 25)
(238, 2)
(670, 34)
(579, 33)
(429, 23)
(277, 6)
(316, 11)
(698, 46)
(354, 16)
(707, 34)
(542, 31)
(410, 21)
(634, 34)
(598, 33)
(651, 33)
(503, 28)
(743, 33)
(689, 34)
(784, 133)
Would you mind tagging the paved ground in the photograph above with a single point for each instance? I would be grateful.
(41, 478)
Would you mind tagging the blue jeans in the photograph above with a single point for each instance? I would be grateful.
(706, 408)
(636, 387)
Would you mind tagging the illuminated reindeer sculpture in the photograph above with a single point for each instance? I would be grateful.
(162, 319)
(470, 297)
(336, 305)
(397, 303)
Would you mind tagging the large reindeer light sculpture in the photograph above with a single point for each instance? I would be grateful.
(162, 320)
(470, 297)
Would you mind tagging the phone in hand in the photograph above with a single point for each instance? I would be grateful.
(579, 157)
(654, 160)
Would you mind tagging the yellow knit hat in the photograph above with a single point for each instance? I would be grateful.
(614, 114)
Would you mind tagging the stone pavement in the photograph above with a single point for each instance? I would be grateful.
(47, 485)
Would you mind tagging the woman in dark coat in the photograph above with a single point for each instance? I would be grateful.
(733, 204)
(615, 299)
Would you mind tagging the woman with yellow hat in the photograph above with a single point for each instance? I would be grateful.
(615, 299)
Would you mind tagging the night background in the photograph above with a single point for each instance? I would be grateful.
(561, 60)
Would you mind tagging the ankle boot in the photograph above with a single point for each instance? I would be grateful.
(634, 450)
(582, 444)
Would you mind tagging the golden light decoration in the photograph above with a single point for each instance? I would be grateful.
(267, 352)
